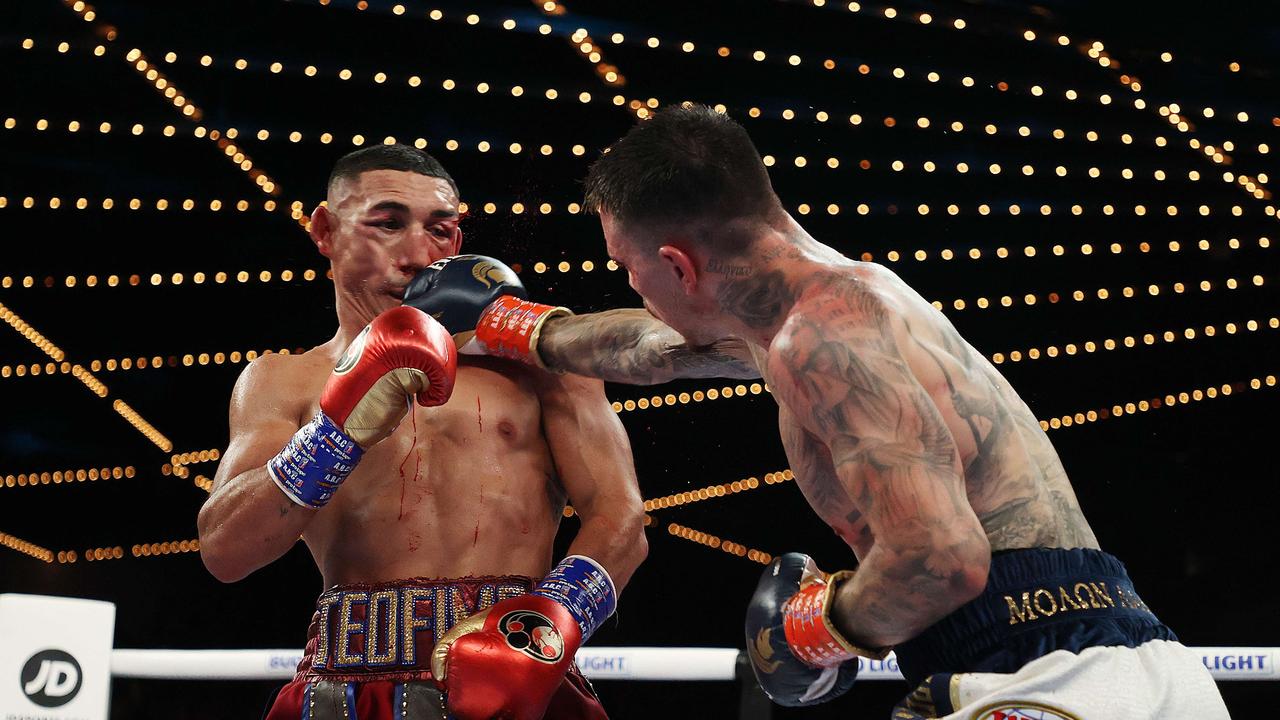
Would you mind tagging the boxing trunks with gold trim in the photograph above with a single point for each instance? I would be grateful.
(1036, 601)
(368, 653)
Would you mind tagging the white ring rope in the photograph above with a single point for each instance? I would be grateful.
(597, 663)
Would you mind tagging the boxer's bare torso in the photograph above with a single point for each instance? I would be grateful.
(467, 488)
(902, 437)
(1013, 478)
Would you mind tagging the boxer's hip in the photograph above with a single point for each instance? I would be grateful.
(1036, 601)
(368, 651)
(385, 631)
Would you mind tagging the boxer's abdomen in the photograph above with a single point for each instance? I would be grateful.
(464, 489)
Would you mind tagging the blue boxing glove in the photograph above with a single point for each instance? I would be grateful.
(456, 290)
(484, 306)
(798, 656)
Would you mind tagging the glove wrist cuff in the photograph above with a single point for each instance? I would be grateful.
(314, 462)
(510, 328)
(584, 588)
(811, 634)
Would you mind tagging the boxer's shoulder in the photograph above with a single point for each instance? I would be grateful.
(282, 384)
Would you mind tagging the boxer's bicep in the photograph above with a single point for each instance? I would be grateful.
(846, 382)
(593, 458)
(631, 346)
(262, 417)
(891, 448)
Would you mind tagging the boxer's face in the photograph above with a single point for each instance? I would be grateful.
(670, 291)
(382, 227)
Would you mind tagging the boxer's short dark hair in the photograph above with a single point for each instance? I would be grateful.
(687, 164)
(389, 157)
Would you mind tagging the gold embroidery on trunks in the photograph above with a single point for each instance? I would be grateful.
(450, 608)
(322, 641)
(412, 622)
(486, 597)
(346, 626)
(1100, 588)
(379, 627)
(506, 592)
(1044, 602)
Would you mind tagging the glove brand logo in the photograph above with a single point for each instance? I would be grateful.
(761, 652)
(51, 678)
(485, 272)
(532, 634)
(353, 353)
(1022, 711)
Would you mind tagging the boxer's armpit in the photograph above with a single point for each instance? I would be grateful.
(631, 346)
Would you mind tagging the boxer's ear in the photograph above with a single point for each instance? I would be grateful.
(457, 239)
(682, 266)
(321, 229)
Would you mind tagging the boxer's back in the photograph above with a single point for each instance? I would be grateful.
(1013, 477)
(467, 488)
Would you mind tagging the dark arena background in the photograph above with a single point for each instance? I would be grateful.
(1083, 188)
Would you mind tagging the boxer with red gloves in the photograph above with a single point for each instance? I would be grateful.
(506, 661)
(427, 486)
(402, 354)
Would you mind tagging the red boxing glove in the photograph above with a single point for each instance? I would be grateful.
(509, 328)
(507, 661)
(402, 352)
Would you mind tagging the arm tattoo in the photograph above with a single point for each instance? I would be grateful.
(631, 346)
(844, 377)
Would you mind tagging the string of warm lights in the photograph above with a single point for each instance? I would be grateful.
(562, 266)
(1031, 251)
(683, 398)
(180, 100)
(159, 279)
(117, 552)
(26, 548)
(1131, 341)
(707, 493)
(141, 363)
(715, 542)
(651, 103)
(134, 203)
(545, 150)
(784, 58)
(584, 44)
(716, 491)
(195, 457)
(58, 477)
(1155, 403)
(573, 208)
(1172, 113)
(1034, 353)
(84, 376)
(1101, 294)
(141, 425)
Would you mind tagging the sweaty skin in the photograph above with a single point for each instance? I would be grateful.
(902, 437)
(474, 487)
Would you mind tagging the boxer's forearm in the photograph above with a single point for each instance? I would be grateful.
(631, 346)
(618, 543)
(893, 599)
(248, 523)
